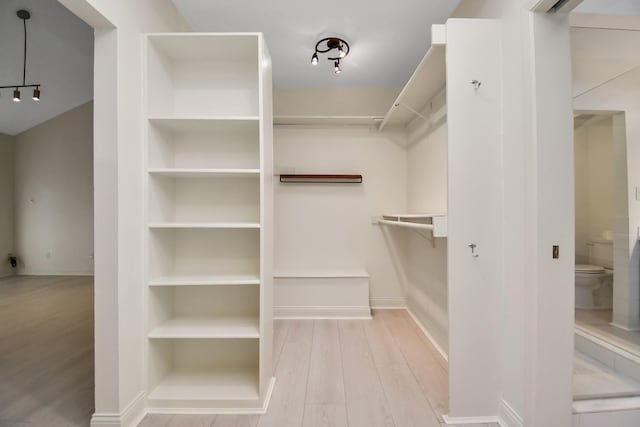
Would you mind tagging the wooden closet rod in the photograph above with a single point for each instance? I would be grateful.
(321, 178)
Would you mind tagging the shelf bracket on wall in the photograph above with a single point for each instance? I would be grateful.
(321, 178)
(413, 110)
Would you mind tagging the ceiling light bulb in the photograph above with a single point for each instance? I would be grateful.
(341, 52)
(16, 95)
(314, 59)
(336, 67)
(36, 94)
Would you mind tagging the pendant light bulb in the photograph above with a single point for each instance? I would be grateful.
(314, 59)
(16, 95)
(36, 94)
(336, 67)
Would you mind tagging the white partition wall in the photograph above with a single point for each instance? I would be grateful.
(209, 238)
(474, 90)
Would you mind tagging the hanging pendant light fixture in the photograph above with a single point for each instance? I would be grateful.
(327, 45)
(24, 15)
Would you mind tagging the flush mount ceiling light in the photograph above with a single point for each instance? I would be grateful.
(24, 15)
(336, 49)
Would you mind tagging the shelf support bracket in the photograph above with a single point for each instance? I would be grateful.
(413, 110)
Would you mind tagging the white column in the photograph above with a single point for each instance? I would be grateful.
(549, 214)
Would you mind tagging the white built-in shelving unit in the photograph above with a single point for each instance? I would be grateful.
(208, 222)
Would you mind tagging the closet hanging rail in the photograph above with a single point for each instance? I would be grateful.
(436, 223)
(321, 178)
(407, 224)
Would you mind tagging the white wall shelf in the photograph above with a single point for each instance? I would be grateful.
(204, 370)
(205, 280)
(327, 120)
(209, 202)
(204, 144)
(436, 223)
(208, 328)
(200, 225)
(221, 79)
(208, 384)
(189, 122)
(197, 200)
(427, 81)
(204, 173)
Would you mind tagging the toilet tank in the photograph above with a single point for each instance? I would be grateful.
(601, 253)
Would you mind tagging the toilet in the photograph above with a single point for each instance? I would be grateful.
(593, 287)
(594, 280)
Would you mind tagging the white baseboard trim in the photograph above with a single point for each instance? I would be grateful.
(606, 405)
(426, 333)
(220, 411)
(129, 417)
(625, 328)
(321, 312)
(56, 273)
(267, 399)
(471, 420)
(508, 416)
(388, 303)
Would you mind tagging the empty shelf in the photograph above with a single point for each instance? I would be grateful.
(204, 225)
(203, 173)
(205, 280)
(428, 79)
(208, 384)
(326, 120)
(208, 328)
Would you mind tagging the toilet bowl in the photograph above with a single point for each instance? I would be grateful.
(593, 285)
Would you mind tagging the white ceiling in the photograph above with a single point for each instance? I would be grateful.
(599, 55)
(59, 56)
(388, 38)
(621, 7)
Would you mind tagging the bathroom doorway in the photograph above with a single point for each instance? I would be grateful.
(607, 359)
(606, 72)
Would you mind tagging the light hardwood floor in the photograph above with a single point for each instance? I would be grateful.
(345, 373)
(355, 373)
(46, 351)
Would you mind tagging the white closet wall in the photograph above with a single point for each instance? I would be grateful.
(330, 257)
(7, 203)
(209, 238)
(426, 263)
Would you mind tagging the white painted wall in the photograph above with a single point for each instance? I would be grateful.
(54, 195)
(325, 229)
(474, 210)
(595, 192)
(347, 101)
(536, 302)
(7, 235)
(581, 153)
(426, 262)
(118, 224)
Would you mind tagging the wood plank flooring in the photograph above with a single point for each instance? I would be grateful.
(46, 351)
(346, 373)
(330, 373)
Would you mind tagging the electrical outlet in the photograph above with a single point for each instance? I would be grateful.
(556, 252)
